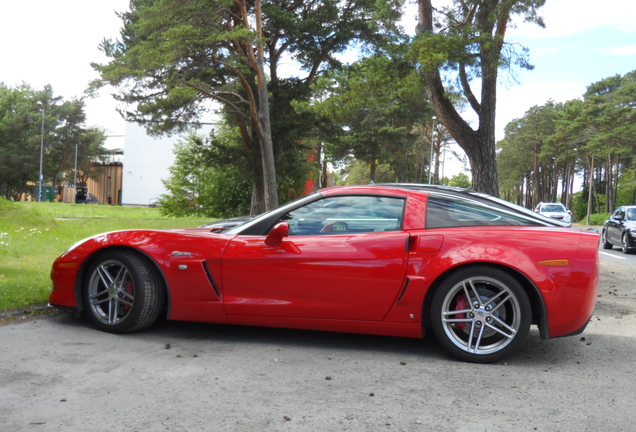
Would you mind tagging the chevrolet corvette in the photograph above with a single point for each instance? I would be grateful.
(390, 259)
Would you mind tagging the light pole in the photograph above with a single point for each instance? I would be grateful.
(443, 162)
(75, 179)
(430, 161)
(41, 157)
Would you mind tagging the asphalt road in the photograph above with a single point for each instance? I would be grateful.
(59, 373)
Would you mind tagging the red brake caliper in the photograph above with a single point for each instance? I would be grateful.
(129, 290)
(460, 304)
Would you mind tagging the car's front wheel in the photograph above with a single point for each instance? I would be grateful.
(605, 242)
(625, 245)
(481, 314)
(123, 292)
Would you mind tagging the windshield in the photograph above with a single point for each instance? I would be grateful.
(553, 208)
(631, 214)
(243, 228)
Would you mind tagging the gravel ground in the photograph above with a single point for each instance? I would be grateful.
(58, 373)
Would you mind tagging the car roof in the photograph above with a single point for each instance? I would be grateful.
(263, 222)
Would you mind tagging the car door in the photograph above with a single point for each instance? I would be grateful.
(345, 258)
(614, 226)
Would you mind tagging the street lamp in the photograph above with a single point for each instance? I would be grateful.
(430, 161)
(75, 179)
(41, 157)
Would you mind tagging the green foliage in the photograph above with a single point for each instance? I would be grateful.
(174, 58)
(460, 180)
(33, 234)
(526, 146)
(627, 188)
(597, 219)
(197, 187)
(368, 111)
(357, 173)
(552, 143)
(21, 124)
(579, 205)
(460, 50)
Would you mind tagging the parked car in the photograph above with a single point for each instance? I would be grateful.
(620, 229)
(228, 223)
(156, 200)
(394, 259)
(555, 211)
(83, 196)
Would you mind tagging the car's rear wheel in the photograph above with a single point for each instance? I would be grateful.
(481, 314)
(606, 244)
(123, 292)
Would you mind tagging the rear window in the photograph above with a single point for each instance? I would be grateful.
(445, 212)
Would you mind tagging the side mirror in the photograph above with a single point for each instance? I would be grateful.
(277, 234)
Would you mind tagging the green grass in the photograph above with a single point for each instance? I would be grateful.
(33, 234)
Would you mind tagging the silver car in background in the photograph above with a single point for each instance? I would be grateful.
(555, 211)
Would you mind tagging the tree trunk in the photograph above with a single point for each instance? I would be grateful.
(372, 171)
(258, 199)
(479, 145)
(267, 147)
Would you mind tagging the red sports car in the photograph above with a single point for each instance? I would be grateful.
(395, 259)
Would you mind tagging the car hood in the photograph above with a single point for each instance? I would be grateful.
(556, 215)
(630, 224)
(194, 242)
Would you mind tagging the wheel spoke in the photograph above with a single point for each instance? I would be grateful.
(99, 294)
(457, 320)
(98, 302)
(121, 277)
(511, 332)
(477, 342)
(113, 311)
(473, 289)
(456, 312)
(125, 301)
(104, 275)
(502, 302)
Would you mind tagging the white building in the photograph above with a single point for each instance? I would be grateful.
(146, 163)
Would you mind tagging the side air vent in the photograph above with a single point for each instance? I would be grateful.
(211, 279)
(406, 285)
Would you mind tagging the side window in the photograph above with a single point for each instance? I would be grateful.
(448, 212)
(346, 214)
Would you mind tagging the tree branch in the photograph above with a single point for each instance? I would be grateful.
(468, 92)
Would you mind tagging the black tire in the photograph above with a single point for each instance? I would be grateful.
(606, 244)
(481, 314)
(122, 292)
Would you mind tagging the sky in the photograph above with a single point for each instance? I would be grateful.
(53, 42)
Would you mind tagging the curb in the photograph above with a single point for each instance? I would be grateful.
(32, 310)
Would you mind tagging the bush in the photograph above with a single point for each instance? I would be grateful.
(598, 218)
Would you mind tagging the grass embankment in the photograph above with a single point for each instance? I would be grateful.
(33, 234)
